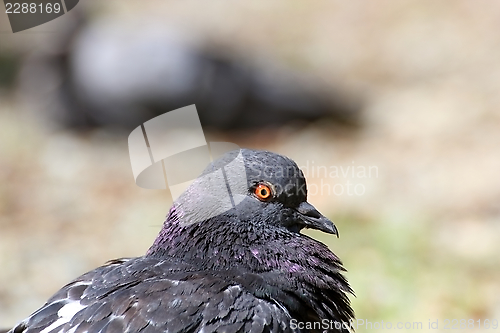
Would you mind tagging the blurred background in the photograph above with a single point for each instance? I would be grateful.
(391, 108)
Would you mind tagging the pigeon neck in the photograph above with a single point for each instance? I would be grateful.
(213, 244)
(223, 243)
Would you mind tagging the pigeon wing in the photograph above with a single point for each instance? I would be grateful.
(152, 295)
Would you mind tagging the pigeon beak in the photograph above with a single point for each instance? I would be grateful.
(315, 220)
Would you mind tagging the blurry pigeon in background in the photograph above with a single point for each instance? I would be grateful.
(247, 269)
(114, 73)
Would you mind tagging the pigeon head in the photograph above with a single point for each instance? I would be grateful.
(247, 196)
(269, 189)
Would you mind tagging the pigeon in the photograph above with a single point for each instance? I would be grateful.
(112, 73)
(215, 266)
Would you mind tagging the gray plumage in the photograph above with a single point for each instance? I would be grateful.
(248, 269)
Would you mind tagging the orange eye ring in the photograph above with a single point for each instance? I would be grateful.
(263, 192)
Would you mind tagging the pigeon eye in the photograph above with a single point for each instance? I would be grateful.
(263, 192)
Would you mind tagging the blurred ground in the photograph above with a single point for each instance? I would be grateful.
(420, 242)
